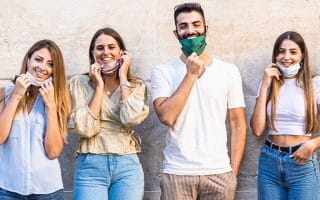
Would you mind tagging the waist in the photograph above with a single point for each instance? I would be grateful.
(282, 149)
(288, 140)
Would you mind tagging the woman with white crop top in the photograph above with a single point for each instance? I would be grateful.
(287, 108)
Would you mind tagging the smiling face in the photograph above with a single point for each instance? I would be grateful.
(289, 53)
(106, 49)
(40, 64)
(189, 25)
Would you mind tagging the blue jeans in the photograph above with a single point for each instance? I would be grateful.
(280, 178)
(110, 177)
(7, 195)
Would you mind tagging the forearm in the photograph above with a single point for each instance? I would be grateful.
(53, 140)
(238, 142)
(170, 109)
(95, 102)
(7, 115)
(258, 118)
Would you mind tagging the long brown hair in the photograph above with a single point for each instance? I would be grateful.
(303, 78)
(61, 93)
(110, 32)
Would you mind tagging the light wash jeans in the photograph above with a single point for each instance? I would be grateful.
(280, 178)
(7, 195)
(103, 177)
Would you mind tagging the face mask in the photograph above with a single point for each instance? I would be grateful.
(110, 68)
(289, 71)
(196, 45)
(35, 82)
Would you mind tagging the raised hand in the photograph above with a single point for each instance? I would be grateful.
(47, 93)
(125, 61)
(270, 72)
(21, 85)
(195, 66)
(95, 75)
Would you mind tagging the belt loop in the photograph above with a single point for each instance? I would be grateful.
(290, 150)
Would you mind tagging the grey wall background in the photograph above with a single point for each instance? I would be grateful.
(240, 32)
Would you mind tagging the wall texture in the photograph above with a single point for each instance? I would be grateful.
(240, 32)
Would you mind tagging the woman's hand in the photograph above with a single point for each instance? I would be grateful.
(270, 72)
(304, 152)
(21, 85)
(125, 61)
(47, 93)
(95, 75)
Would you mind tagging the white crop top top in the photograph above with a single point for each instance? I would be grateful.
(290, 111)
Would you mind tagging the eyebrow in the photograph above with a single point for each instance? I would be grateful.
(289, 49)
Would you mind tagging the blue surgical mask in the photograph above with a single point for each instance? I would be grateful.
(291, 71)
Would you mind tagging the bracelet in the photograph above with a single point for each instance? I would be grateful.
(126, 84)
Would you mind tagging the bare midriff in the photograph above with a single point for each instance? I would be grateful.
(289, 140)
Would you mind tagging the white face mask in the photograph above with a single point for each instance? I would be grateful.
(35, 82)
(291, 71)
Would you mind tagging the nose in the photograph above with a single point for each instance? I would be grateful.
(287, 55)
(42, 66)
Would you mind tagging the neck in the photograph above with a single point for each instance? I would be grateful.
(33, 90)
(205, 57)
(111, 80)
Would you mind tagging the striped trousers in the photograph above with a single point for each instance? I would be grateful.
(198, 187)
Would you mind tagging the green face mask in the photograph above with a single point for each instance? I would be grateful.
(196, 44)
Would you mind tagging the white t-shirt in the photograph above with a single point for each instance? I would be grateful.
(290, 110)
(197, 142)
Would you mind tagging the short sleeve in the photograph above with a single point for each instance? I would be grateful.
(235, 92)
(160, 83)
(316, 89)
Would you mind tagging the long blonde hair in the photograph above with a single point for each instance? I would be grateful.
(304, 80)
(61, 93)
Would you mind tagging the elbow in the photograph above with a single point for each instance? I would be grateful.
(53, 154)
(168, 121)
(256, 131)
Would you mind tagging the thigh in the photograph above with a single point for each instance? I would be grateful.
(176, 187)
(7, 195)
(303, 180)
(91, 180)
(269, 177)
(127, 182)
(217, 186)
(57, 195)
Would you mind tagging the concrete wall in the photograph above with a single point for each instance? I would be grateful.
(240, 32)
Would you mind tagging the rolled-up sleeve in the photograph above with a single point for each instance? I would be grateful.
(81, 120)
(134, 109)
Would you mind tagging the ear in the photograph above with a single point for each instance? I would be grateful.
(206, 27)
(175, 32)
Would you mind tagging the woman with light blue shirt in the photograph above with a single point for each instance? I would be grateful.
(287, 107)
(33, 116)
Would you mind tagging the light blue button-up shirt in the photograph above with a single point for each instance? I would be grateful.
(24, 165)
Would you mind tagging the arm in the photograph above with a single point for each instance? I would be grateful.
(8, 111)
(134, 109)
(258, 117)
(168, 109)
(123, 74)
(82, 121)
(53, 143)
(238, 137)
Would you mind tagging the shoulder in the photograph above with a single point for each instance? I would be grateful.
(169, 67)
(79, 79)
(137, 82)
(79, 82)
